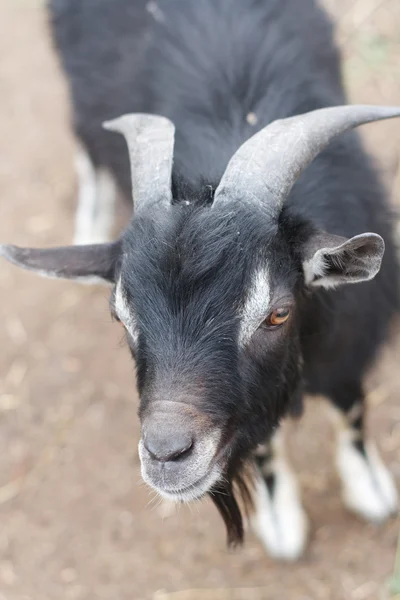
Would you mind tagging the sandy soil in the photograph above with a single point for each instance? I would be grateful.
(76, 521)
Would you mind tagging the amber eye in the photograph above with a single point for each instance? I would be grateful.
(277, 317)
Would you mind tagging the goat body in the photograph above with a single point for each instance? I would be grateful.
(190, 282)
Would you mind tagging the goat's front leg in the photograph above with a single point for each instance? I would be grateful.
(367, 485)
(279, 519)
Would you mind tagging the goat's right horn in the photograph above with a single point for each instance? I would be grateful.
(265, 168)
(150, 140)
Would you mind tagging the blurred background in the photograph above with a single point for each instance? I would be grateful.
(75, 520)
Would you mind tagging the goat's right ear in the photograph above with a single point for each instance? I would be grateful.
(89, 264)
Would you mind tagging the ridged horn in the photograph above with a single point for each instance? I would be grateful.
(150, 140)
(265, 168)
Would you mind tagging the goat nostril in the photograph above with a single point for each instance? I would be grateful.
(165, 450)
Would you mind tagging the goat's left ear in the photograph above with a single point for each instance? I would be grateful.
(332, 260)
(89, 264)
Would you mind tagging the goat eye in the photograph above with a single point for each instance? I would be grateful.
(277, 318)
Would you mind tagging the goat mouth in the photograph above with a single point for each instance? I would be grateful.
(194, 491)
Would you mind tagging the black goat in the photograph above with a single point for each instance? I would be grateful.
(226, 277)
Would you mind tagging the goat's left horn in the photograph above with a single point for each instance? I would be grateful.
(265, 168)
(150, 140)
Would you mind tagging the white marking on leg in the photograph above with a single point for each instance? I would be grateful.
(87, 192)
(368, 488)
(279, 520)
(106, 200)
(96, 202)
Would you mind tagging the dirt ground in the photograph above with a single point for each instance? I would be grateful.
(76, 523)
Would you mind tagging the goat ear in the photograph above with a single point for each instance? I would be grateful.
(89, 264)
(331, 260)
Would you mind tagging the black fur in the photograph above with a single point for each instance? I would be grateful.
(206, 65)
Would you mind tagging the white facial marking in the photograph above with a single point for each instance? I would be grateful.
(256, 305)
(279, 520)
(97, 195)
(123, 311)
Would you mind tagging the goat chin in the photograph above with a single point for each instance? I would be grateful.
(192, 492)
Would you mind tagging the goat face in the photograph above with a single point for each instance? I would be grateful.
(207, 300)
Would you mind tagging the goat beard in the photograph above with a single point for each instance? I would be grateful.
(233, 496)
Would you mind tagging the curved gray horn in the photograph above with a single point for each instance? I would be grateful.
(150, 140)
(267, 165)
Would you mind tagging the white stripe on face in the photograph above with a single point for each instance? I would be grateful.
(256, 305)
(124, 312)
